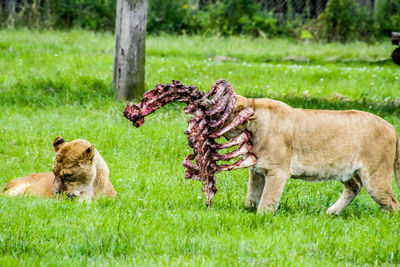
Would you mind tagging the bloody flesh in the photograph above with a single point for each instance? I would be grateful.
(211, 113)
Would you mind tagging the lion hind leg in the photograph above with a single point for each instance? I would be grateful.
(352, 188)
(397, 162)
(16, 189)
(379, 187)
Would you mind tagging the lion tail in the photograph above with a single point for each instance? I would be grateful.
(397, 163)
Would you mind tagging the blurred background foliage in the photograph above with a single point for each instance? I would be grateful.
(329, 20)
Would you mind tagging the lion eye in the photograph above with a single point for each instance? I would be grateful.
(67, 176)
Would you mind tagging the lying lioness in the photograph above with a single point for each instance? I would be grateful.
(78, 171)
(353, 147)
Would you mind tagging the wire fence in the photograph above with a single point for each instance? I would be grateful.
(289, 9)
(100, 14)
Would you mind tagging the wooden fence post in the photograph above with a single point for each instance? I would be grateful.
(129, 57)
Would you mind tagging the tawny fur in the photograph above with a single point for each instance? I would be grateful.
(39, 184)
(78, 170)
(354, 147)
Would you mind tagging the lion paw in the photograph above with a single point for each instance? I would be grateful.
(266, 209)
(333, 211)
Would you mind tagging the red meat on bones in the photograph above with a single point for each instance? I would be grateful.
(211, 120)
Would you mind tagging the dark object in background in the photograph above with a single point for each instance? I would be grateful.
(396, 52)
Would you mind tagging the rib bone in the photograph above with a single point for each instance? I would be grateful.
(241, 117)
(241, 138)
(242, 150)
(248, 161)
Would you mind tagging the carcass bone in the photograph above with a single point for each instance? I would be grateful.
(242, 150)
(240, 139)
(245, 162)
(211, 119)
(241, 117)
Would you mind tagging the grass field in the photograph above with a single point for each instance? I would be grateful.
(59, 83)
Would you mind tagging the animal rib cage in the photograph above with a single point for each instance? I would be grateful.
(211, 120)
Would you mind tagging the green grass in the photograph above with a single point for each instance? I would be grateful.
(59, 83)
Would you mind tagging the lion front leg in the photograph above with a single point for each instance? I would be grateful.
(274, 185)
(255, 187)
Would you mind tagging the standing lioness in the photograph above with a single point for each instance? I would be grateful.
(354, 147)
(78, 171)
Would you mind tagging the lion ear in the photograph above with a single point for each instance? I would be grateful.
(240, 107)
(88, 153)
(240, 104)
(58, 143)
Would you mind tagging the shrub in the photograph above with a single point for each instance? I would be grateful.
(166, 16)
(61, 14)
(225, 17)
(387, 17)
(262, 24)
(344, 20)
(214, 17)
